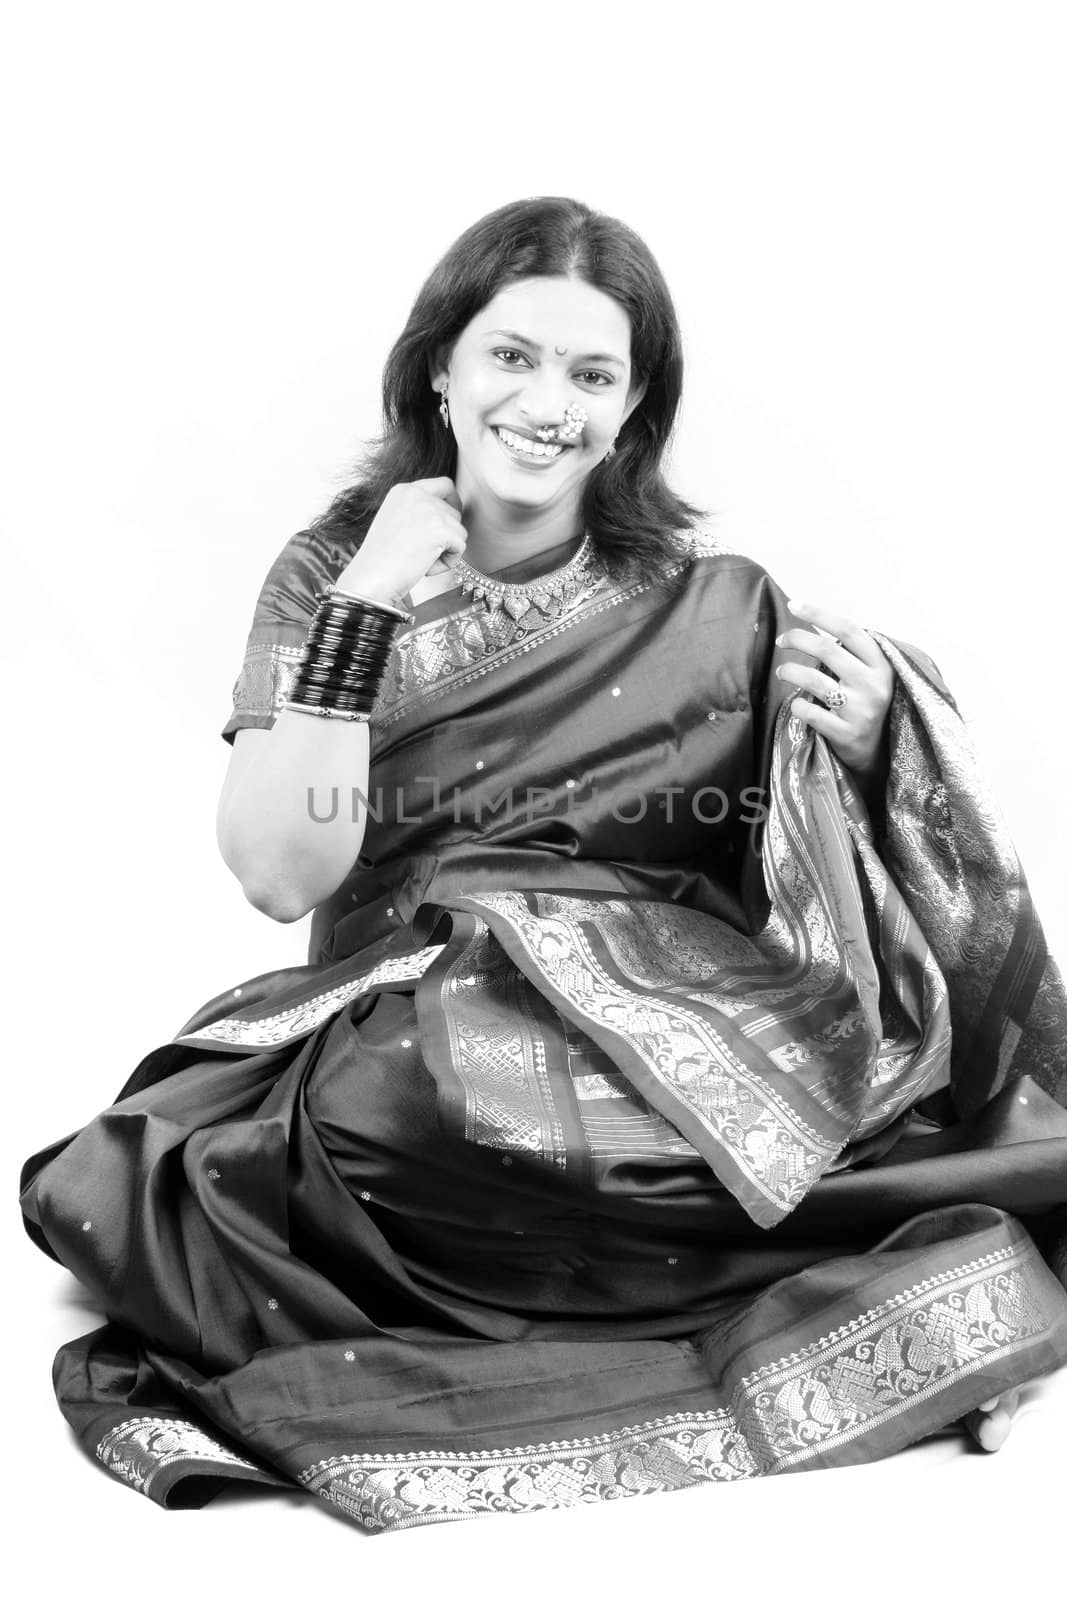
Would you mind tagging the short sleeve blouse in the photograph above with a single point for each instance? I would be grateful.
(307, 564)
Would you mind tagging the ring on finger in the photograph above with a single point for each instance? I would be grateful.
(834, 697)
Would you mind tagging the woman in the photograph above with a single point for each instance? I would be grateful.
(678, 1051)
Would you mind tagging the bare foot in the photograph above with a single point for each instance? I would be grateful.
(991, 1423)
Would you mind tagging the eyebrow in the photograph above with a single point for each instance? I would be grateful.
(520, 338)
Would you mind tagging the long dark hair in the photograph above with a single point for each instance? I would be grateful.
(627, 507)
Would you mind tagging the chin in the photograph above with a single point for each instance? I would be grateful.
(524, 489)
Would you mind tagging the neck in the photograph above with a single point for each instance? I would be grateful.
(500, 537)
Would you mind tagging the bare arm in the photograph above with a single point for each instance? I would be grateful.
(287, 826)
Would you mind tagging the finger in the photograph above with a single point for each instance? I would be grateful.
(450, 551)
(847, 632)
(442, 489)
(821, 719)
(820, 684)
(829, 651)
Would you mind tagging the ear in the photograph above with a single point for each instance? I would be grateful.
(439, 365)
(634, 398)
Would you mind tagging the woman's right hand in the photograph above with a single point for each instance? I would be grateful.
(417, 530)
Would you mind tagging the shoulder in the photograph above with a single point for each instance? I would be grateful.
(700, 541)
(307, 563)
(703, 556)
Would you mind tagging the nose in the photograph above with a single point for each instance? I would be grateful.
(544, 397)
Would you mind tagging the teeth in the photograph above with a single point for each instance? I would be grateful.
(528, 447)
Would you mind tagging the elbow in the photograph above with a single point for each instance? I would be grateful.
(275, 900)
(269, 893)
(280, 878)
(279, 911)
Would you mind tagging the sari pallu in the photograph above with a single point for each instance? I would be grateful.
(599, 1149)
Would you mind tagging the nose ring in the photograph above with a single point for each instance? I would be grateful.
(575, 418)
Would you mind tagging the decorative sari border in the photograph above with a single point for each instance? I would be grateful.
(949, 851)
(139, 1449)
(499, 1051)
(453, 654)
(873, 1370)
(762, 1145)
(266, 678)
(394, 1491)
(282, 1026)
(431, 659)
(890, 1358)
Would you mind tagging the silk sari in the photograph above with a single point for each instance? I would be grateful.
(651, 1110)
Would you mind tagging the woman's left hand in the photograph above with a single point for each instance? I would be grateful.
(851, 711)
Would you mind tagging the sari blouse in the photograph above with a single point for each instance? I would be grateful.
(615, 746)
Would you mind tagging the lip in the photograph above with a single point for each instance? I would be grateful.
(524, 433)
(534, 463)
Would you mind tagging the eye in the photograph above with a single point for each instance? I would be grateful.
(598, 379)
(504, 355)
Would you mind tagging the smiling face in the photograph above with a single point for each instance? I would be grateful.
(540, 346)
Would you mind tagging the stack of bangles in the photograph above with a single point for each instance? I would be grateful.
(349, 643)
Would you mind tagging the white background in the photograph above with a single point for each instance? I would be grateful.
(217, 218)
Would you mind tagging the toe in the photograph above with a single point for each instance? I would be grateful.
(993, 1430)
(990, 1424)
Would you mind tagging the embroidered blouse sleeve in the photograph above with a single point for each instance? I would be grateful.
(287, 600)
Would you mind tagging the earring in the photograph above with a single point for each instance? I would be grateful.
(610, 451)
(443, 407)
